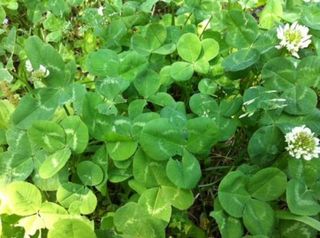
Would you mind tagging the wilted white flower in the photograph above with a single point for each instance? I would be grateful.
(302, 143)
(100, 10)
(29, 67)
(293, 37)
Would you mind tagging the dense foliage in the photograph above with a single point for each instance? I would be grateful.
(151, 119)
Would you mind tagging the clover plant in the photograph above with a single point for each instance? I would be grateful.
(153, 119)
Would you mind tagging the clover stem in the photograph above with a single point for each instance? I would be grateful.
(108, 196)
(66, 109)
(24, 80)
(205, 27)
(187, 18)
(172, 14)
(208, 184)
(218, 167)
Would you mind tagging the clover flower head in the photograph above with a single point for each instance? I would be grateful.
(311, 1)
(302, 143)
(100, 10)
(293, 37)
(29, 67)
(42, 72)
(5, 21)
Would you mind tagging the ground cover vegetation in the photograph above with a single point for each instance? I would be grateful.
(151, 119)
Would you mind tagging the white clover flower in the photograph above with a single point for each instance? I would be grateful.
(29, 67)
(293, 37)
(42, 72)
(311, 1)
(100, 10)
(5, 21)
(302, 143)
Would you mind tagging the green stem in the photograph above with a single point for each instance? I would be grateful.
(172, 14)
(217, 168)
(108, 196)
(208, 184)
(86, 82)
(205, 27)
(66, 109)
(23, 79)
(187, 19)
